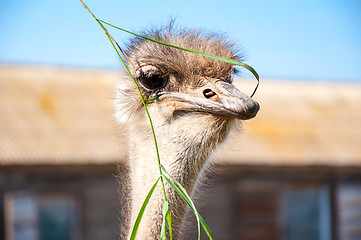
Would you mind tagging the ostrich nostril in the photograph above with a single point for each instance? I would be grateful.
(208, 93)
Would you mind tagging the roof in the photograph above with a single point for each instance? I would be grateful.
(302, 123)
(52, 115)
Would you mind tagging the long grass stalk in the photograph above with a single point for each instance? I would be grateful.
(113, 42)
(163, 174)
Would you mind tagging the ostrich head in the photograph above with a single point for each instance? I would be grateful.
(195, 106)
(184, 82)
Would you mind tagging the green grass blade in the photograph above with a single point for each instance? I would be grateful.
(169, 220)
(141, 211)
(181, 194)
(190, 203)
(204, 225)
(164, 211)
(186, 197)
(166, 219)
(227, 60)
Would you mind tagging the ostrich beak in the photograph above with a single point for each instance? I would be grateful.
(219, 98)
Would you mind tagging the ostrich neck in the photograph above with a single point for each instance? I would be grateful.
(183, 154)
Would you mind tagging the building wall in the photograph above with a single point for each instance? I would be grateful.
(94, 188)
(282, 203)
(240, 202)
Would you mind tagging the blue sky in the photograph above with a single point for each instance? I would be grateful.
(316, 40)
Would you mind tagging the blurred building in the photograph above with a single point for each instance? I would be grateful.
(293, 173)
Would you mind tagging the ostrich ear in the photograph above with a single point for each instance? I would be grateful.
(126, 101)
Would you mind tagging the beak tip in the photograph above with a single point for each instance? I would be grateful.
(255, 108)
(252, 110)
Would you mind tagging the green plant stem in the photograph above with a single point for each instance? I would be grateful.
(175, 184)
(112, 41)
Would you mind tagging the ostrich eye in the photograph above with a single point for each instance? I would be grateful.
(153, 82)
(151, 77)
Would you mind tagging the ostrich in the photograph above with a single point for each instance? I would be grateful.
(196, 105)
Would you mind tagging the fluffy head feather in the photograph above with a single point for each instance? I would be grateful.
(184, 70)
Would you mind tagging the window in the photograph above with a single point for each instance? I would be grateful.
(349, 211)
(306, 213)
(288, 210)
(42, 216)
